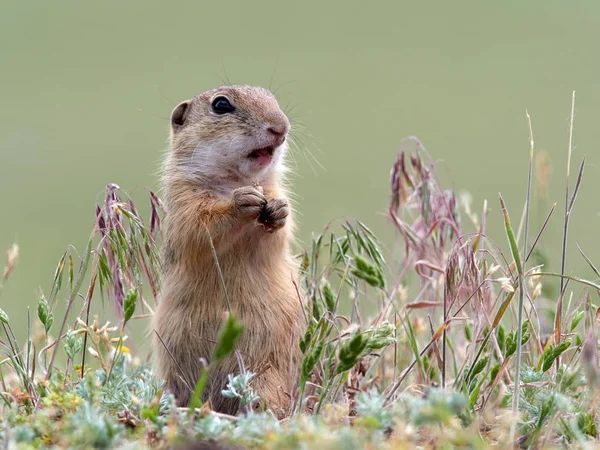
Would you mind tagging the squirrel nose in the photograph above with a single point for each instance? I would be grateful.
(278, 132)
(278, 129)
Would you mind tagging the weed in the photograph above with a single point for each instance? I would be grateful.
(456, 333)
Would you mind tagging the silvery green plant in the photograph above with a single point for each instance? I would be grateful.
(73, 344)
(459, 328)
(253, 427)
(239, 387)
(90, 427)
(213, 427)
(437, 406)
(371, 405)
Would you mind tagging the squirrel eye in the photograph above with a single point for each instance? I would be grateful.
(221, 105)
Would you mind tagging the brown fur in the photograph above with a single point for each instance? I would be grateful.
(211, 190)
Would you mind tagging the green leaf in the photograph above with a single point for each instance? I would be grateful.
(576, 319)
(501, 339)
(479, 366)
(229, 334)
(44, 313)
(305, 263)
(196, 398)
(151, 412)
(58, 274)
(468, 331)
(560, 348)
(368, 272)
(73, 344)
(511, 238)
(546, 358)
(525, 334)
(329, 297)
(494, 372)
(380, 336)
(310, 361)
(305, 340)
(3, 316)
(511, 344)
(130, 303)
(552, 353)
(70, 272)
(373, 281)
(351, 352)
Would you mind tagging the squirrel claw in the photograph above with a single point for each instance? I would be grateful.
(274, 214)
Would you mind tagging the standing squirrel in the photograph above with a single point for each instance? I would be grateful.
(222, 185)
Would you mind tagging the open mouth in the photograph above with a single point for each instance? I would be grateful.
(262, 153)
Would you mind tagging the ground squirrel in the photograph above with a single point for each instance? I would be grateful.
(221, 179)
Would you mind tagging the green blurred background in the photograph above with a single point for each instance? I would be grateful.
(87, 88)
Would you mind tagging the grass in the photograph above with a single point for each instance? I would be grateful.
(460, 345)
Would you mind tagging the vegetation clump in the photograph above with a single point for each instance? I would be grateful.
(452, 343)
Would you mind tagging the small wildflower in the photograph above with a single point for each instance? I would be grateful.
(534, 276)
(117, 207)
(492, 270)
(115, 352)
(105, 328)
(505, 284)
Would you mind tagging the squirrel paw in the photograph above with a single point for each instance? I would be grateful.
(249, 202)
(274, 214)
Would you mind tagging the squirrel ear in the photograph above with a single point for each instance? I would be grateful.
(178, 116)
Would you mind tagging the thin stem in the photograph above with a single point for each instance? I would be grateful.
(517, 385)
(324, 395)
(74, 291)
(529, 178)
(539, 235)
(87, 320)
(237, 353)
(181, 372)
(563, 261)
(444, 340)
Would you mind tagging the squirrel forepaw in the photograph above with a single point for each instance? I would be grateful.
(249, 202)
(274, 214)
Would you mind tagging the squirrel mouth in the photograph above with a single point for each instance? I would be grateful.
(261, 152)
(262, 155)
